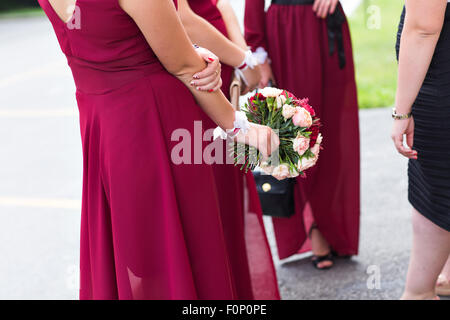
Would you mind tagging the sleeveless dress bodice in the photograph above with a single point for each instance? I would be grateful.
(94, 45)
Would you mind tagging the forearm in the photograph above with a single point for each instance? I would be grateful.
(201, 32)
(422, 28)
(232, 24)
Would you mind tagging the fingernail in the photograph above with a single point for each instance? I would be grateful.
(211, 59)
(196, 77)
(210, 90)
(198, 88)
(192, 83)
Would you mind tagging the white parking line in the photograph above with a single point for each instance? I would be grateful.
(56, 203)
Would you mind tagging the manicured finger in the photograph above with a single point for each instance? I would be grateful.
(319, 8)
(207, 55)
(206, 80)
(398, 142)
(324, 10)
(316, 5)
(404, 150)
(212, 68)
(333, 6)
(408, 153)
(210, 85)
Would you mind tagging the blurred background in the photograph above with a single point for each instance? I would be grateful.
(41, 165)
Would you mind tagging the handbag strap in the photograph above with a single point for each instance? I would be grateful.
(235, 92)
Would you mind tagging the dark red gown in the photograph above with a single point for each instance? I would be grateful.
(298, 46)
(150, 229)
(240, 208)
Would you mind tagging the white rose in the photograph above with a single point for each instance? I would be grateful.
(294, 174)
(288, 111)
(304, 164)
(266, 168)
(281, 172)
(270, 92)
(281, 99)
(279, 102)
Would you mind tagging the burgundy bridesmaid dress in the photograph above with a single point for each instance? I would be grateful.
(251, 257)
(309, 64)
(150, 229)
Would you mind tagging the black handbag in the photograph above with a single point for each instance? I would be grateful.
(276, 197)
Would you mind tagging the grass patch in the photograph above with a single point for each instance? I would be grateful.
(374, 51)
(22, 12)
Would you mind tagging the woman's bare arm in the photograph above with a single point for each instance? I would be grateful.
(232, 23)
(161, 26)
(252, 76)
(423, 24)
(422, 27)
(204, 34)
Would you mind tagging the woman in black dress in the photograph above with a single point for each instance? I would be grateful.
(422, 115)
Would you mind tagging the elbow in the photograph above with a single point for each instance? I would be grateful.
(428, 33)
(426, 29)
(185, 70)
(180, 70)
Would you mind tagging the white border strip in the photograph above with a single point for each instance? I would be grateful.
(56, 203)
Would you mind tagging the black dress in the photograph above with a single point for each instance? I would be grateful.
(429, 175)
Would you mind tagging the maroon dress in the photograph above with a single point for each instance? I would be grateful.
(150, 229)
(239, 202)
(307, 62)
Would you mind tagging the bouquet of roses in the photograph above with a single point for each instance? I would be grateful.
(298, 129)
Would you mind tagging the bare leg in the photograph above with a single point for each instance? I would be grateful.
(320, 247)
(430, 251)
(443, 283)
(446, 271)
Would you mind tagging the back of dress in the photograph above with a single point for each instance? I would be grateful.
(147, 231)
(101, 40)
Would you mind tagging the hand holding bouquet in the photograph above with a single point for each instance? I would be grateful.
(298, 129)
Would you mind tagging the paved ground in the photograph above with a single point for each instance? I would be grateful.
(40, 187)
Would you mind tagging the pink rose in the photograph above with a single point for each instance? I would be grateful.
(301, 144)
(304, 164)
(302, 118)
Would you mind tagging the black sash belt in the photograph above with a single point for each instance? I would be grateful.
(334, 26)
